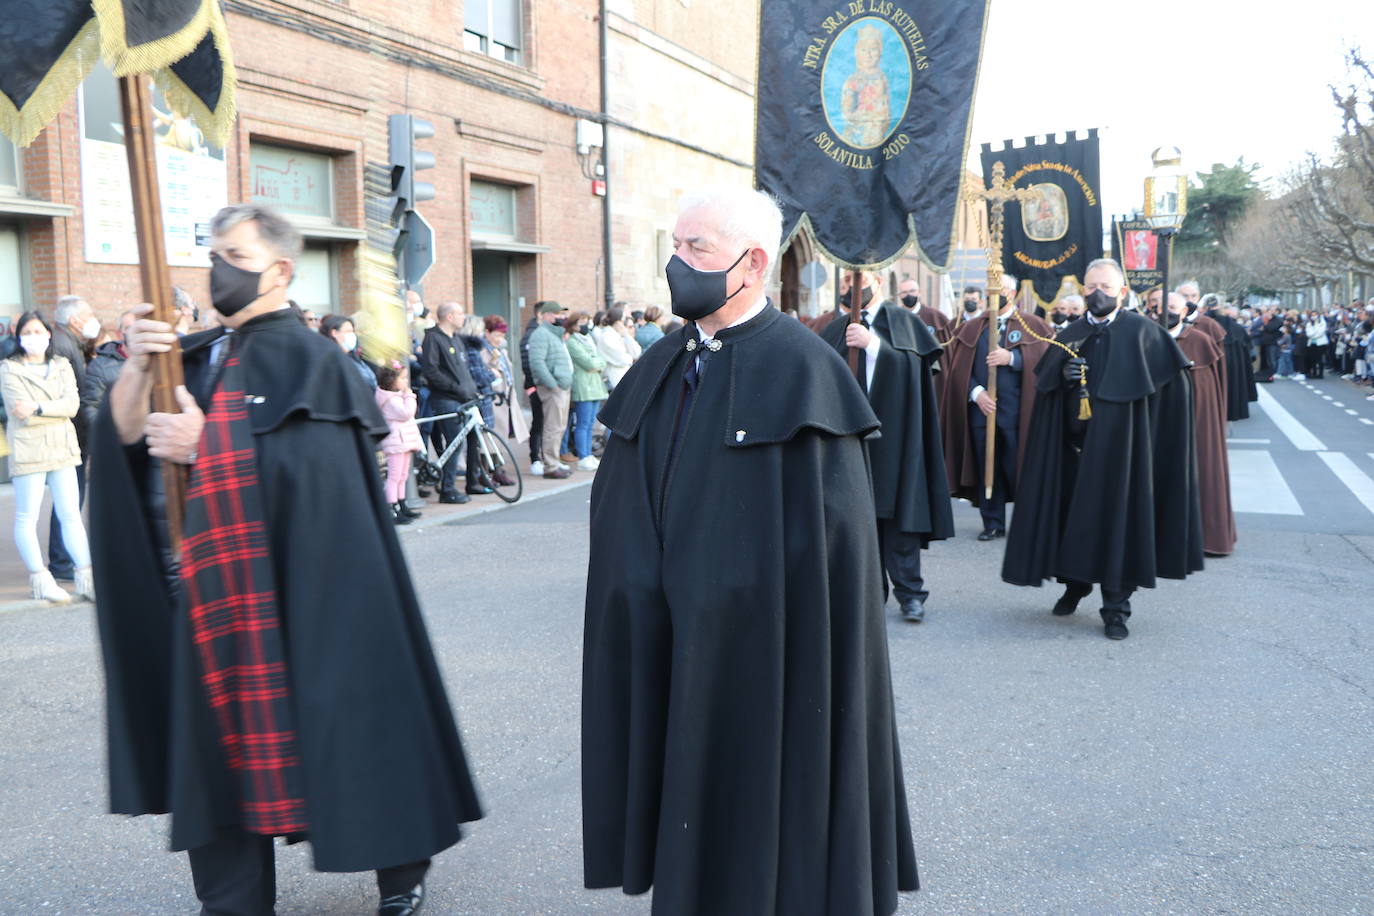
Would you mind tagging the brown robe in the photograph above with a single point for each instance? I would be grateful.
(818, 323)
(1209, 410)
(943, 328)
(965, 478)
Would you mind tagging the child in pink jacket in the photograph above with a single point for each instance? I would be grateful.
(397, 403)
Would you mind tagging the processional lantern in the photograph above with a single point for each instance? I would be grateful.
(1166, 189)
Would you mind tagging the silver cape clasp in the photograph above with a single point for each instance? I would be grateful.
(694, 345)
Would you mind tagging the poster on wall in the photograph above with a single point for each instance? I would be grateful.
(193, 176)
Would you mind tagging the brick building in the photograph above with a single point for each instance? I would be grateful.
(503, 81)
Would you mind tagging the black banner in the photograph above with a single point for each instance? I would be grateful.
(1056, 233)
(863, 121)
(1136, 248)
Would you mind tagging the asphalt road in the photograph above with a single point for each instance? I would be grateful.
(1218, 761)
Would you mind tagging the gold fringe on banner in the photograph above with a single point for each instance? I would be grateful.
(217, 125)
(23, 124)
(124, 59)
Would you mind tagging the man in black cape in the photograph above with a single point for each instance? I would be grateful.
(739, 748)
(1240, 368)
(274, 678)
(1111, 499)
(910, 490)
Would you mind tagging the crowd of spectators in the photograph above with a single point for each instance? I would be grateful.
(1307, 344)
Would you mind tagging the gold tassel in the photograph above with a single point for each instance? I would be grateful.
(1085, 407)
(126, 60)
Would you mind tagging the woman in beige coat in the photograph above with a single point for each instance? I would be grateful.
(40, 400)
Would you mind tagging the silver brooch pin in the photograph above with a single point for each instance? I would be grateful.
(713, 345)
(692, 345)
(739, 435)
(255, 399)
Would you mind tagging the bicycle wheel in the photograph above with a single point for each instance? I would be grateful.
(498, 464)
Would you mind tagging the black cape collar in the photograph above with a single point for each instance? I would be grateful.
(782, 379)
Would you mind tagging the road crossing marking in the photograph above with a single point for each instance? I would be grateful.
(1366, 422)
(1337, 404)
(1326, 397)
(1351, 412)
(1247, 441)
(1358, 481)
(1299, 435)
(1258, 486)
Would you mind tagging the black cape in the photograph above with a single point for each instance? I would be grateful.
(1240, 369)
(739, 749)
(387, 780)
(1113, 500)
(908, 459)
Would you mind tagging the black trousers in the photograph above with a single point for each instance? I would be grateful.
(994, 510)
(901, 553)
(1114, 601)
(536, 425)
(444, 433)
(59, 561)
(236, 875)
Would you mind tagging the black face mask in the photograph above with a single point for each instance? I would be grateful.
(695, 294)
(865, 298)
(232, 289)
(1059, 317)
(1100, 305)
(560, 321)
(910, 301)
(970, 305)
(1174, 318)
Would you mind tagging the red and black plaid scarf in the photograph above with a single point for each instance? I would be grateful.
(231, 593)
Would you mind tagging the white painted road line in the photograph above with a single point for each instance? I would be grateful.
(1358, 481)
(1299, 435)
(1247, 441)
(1337, 404)
(1351, 412)
(1257, 484)
(1366, 422)
(1326, 397)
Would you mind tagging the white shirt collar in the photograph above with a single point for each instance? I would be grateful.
(754, 311)
(1108, 320)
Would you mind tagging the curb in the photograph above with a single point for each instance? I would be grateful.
(33, 604)
(458, 519)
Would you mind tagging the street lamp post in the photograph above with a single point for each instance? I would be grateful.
(1166, 204)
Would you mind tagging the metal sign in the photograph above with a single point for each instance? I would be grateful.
(814, 275)
(417, 248)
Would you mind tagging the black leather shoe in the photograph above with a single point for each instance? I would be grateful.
(1064, 606)
(990, 533)
(407, 511)
(913, 610)
(454, 498)
(398, 516)
(425, 492)
(476, 489)
(403, 904)
(1114, 625)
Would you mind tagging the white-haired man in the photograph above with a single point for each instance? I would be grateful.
(251, 692)
(1108, 488)
(738, 745)
(75, 329)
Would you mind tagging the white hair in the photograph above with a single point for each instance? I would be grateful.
(66, 309)
(745, 216)
(1106, 262)
(1009, 282)
(1188, 284)
(1071, 300)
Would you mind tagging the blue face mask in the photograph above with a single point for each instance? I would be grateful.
(696, 293)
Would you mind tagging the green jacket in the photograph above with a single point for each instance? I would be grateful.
(549, 362)
(588, 384)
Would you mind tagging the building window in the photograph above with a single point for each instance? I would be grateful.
(315, 284)
(11, 273)
(492, 209)
(492, 27)
(293, 181)
(9, 166)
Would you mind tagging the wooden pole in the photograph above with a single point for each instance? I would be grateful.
(990, 443)
(157, 282)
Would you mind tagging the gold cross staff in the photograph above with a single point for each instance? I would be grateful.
(997, 196)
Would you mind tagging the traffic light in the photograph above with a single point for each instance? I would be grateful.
(406, 161)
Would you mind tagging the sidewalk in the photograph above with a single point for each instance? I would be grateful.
(14, 579)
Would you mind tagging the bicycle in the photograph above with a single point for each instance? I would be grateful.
(493, 455)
